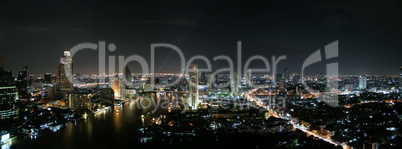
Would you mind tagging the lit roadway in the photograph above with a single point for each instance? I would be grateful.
(250, 97)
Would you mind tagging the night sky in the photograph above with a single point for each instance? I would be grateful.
(36, 33)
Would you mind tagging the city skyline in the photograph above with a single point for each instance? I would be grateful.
(201, 74)
(317, 69)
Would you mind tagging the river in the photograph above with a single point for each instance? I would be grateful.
(109, 129)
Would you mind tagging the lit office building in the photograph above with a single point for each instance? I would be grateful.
(8, 89)
(8, 94)
(209, 81)
(362, 82)
(118, 88)
(9, 120)
(193, 87)
(115, 85)
(65, 72)
(78, 100)
(247, 77)
(234, 82)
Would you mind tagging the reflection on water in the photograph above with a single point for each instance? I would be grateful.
(103, 130)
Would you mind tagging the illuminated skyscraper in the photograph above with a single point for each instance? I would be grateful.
(65, 71)
(119, 87)
(247, 77)
(193, 87)
(9, 122)
(209, 81)
(234, 82)
(115, 85)
(362, 82)
(8, 89)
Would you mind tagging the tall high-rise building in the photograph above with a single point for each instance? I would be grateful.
(8, 89)
(119, 87)
(362, 82)
(9, 121)
(8, 93)
(47, 79)
(115, 85)
(65, 72)
(234, 82)
(209, 81)
(22, 81)
(193, 87)
(247, 78)
(9, 114)
(79, 100)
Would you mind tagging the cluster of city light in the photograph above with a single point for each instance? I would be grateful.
(273, 113)
(320, 137)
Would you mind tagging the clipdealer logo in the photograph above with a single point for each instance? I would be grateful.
(330, 95)
(184, 67)
(331, 51)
